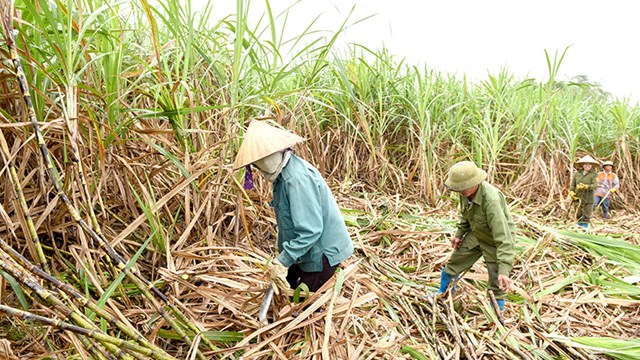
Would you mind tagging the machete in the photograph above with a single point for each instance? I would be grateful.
(264, 307)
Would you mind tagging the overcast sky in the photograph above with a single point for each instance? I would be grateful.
(474, 37)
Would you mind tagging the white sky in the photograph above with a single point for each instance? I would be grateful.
(474, 37)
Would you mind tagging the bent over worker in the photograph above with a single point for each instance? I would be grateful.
(485, 228)
(312, 235)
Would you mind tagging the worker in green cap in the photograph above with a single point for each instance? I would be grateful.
(485, 228)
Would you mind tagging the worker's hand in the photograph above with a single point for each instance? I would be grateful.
(456, 242)
(279, 277)
(573, 196)
(504, 283)
(582, 186)
(613, 190)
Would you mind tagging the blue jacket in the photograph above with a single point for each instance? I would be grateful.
(309, 221)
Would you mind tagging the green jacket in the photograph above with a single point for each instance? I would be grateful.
(310, 223)
(489, 218)
(590, 178)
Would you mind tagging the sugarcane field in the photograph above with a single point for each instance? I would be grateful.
(176, 188)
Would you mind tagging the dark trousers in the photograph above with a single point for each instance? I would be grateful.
(313, 280)
(605, 205)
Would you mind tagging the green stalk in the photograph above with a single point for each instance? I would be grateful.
(94, 334)
(33, 233)
(82, 300)
(7, 14)
(56, 303)
(93, 348)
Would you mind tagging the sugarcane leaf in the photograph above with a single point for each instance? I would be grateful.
(415, 354)
(118, 280)
(17, 289)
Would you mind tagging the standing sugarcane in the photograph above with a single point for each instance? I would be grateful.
(6, 11)
(140, 282)
(6, 155)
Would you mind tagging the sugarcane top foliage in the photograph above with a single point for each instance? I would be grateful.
(464, 175)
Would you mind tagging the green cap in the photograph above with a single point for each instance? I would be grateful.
(464, 175)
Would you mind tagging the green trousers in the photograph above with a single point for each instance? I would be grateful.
(585, 210)
(468, 253)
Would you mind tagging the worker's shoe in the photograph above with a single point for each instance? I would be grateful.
(500, 304)
(583, 224)
(445, 280)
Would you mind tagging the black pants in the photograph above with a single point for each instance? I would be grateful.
(313, 280)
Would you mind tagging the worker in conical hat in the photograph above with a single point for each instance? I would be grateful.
(608, 184)
(485, 229)
(583, 188)
(312, 235)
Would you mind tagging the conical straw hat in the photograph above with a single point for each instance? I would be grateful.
(587, 160)
(261, 140)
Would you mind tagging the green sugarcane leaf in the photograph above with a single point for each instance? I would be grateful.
(559, 285)
(415, 354)
(17, 289)
(118, 280)
(220, 336)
